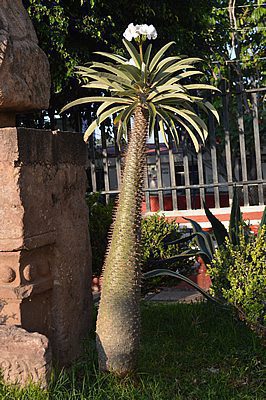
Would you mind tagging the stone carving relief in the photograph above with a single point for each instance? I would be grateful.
(25, 279)
(24, 68)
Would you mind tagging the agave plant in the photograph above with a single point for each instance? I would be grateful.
(146, 89)
(206, 246)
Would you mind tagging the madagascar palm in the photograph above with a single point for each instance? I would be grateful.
(145, 90)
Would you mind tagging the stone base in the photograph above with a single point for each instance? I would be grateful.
(25, 357)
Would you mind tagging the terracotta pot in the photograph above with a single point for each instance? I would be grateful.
(96, 284)
(203, 280)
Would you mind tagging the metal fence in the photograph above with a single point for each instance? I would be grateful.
(180, 179)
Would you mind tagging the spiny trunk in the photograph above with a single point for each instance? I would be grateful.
(118, 323)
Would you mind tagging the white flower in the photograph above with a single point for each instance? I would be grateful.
(143, 29)
(131, 32)
(134, 31)
(147, 30)
(152, 33)
(131, 62)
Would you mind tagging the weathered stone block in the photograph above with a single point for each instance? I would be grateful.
(24, 68)
(24, 357)
(45, 256)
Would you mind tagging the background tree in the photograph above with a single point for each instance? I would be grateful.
(236, 39)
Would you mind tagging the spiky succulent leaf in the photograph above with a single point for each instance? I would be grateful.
(235, 219)
(263, 219)
(166, 272)
(262, 222)
(203, 240)
(219, 229)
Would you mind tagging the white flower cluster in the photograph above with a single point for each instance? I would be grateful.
(134, 31)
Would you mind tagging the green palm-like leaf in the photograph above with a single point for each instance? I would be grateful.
(198, 86)
(159, 55)
(172, 96)
(116, 71)
(190, 132)
(96, 99)
(97, 85)
(188, 74)
(167, 62)
(155, 83)
(123, 121)
(100, 119)
(114, 57)
(165, 88)
(147, 54)
(133, 52)
(208, 107)
(153, 113)
(165, 74)
(188, 118)
(169, 121)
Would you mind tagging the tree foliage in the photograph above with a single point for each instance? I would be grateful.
(237, 40)
(70, 30)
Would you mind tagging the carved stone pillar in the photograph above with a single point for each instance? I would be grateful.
(45, 259)
(45, 270)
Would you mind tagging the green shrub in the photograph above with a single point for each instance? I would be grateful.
(155, 229)
(100, 219)
(238, 275)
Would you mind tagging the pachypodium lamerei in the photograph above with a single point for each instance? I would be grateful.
(144, 89)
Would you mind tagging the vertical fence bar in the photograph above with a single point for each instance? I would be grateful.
(92, 163)
(187, 179)
(64, 122)
(227, 145)
(241, 130)
(105, 163)
(146, 186)
(117, 161)
(172, 173)
(158, 167)
(254, 100)
(201, 177)
(79, 121)
(214, 161)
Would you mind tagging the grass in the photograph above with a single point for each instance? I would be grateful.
(188, 352)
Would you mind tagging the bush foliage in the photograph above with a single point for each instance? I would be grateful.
(100, 219)
(238, 274)
(155, 229)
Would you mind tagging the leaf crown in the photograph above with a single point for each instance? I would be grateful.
(151, 82)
